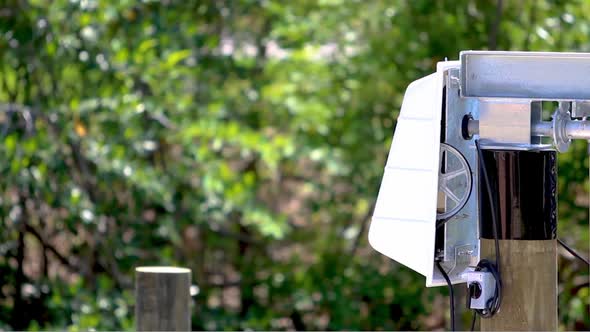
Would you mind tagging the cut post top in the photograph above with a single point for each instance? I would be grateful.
(161, 269)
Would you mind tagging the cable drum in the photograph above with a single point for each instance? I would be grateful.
(454, 182)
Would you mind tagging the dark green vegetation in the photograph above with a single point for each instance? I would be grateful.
(242, 139)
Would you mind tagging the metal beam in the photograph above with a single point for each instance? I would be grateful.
(528, 75)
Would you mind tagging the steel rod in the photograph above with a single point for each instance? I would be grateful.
(578, 129)
(543, 128)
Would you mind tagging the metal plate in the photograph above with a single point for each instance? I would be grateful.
(461, 238)
(505, 121)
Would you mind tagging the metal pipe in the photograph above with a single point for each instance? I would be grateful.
(578, 129)
(473, 127)
(542, 128)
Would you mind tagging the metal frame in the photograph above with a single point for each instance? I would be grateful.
(528, 75)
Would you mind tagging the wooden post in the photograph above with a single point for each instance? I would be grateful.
(525, 186)
(529, 279)
(460, 292)
(162, 298)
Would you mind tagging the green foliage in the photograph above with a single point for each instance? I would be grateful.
(242, 139)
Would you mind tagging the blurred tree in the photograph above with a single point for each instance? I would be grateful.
(243, 139)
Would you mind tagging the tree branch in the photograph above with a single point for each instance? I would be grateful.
(64, 261)
(493, 37)
(365, 222)
(532, 23)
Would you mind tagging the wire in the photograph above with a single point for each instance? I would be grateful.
(492, 203)
(451, 293)
(442, 222)
(473, 321)
(493, 304)
(573, 252)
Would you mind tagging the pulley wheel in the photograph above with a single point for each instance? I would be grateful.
(454, 182)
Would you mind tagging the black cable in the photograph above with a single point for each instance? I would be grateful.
(492, 203)
(493, 304)
(451, 293)
(473, 321)
(573, 252)
(441, 222)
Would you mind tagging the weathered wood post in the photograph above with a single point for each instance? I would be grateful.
(529, 277)
(526, 186)
(162, 298)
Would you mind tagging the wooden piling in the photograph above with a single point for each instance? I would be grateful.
(529, 282)
(162, 298)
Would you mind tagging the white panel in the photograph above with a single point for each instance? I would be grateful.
(424, 153)
(403, 224)
(407, 242)
(419, 98)
(404, 193)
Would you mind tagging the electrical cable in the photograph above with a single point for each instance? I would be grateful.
(565, 246)
(493, 304)
(491, 201)
(473, 321)
(451, 293)
(442, 222)
(573, 252)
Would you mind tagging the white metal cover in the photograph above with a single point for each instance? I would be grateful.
(403, 225)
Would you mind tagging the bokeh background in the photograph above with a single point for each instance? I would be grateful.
(243, 139)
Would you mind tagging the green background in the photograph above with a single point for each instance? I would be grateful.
(242, 139)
